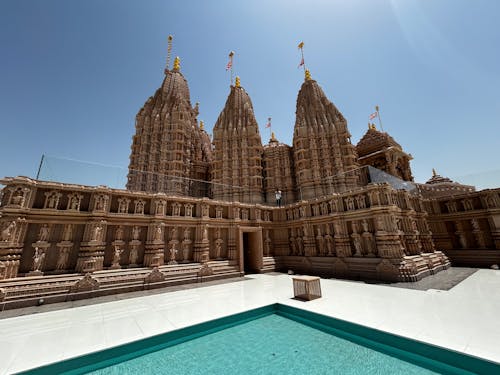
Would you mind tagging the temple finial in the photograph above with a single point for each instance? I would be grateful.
(308, 75)
(273, 137)
(434, 174)
(237, 83)
(202, 125)
(169, 52)
(177, 64)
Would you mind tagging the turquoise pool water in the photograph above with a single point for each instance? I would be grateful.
(269, 345)
(273, 339)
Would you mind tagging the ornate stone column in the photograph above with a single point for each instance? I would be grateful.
(342, 242)
(13, 232)
(65, 246)
(155, 245)
(91, 254)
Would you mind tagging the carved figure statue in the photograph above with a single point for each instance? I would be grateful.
(116, 256)
(158, 233)
(43, 235)
(205, 233)
(357, 244)
(133, 255)
(74, 203)
(96, 234)
(63, 258)
(119, 233)
(136, 232)
(173, 233)
(364, 224)
(8, 232)
(18, 198)
(187, 234)
(68, 232)
(38, 258)
(218, 248)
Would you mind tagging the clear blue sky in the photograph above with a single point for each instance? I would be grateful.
(73, 74)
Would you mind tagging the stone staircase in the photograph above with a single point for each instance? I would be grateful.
(35, 290)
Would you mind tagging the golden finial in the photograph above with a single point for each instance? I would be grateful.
(202, 125)
(237, 83)
(301, 45)
(373, 126)
(308, 75)
(434, 174)
(273, 137)
(177, 64)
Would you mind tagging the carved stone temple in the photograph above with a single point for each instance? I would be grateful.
(197, 208)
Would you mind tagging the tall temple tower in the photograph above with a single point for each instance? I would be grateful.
(168, 148)
(324, 157)
(279, 172)
(237, 159)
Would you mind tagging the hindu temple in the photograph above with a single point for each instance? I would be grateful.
(200, 208)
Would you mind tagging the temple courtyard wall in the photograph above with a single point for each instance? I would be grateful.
(61, 241)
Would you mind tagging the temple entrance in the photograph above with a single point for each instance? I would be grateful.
(250, 249)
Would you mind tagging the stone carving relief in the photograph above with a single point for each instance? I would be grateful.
(8, 233)
(188, 210)
(139, 207)
(52, 200)
(101, 202)
(74, 201)
(123, 204)
(43, 233)
(218, 212)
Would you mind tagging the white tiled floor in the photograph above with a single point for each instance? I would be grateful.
(464, 318)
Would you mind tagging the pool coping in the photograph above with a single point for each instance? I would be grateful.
(423, 354)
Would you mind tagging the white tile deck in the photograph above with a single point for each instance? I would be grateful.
(464, 318)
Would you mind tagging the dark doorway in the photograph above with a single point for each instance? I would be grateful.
(246, 253)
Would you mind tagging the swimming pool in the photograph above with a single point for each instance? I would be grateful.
(274, 339)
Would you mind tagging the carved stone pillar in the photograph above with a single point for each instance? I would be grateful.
(342, 242)
(231, 242)
(65, 246)
(155, 245)
(134, 246)
(91, 254)
(202, 245)
(13, 232)
(387, 237)
(309, 241)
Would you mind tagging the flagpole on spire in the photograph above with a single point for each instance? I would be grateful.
(302, 62)
(169, 51)
(268, 125)
(229, 65)
(379, 119)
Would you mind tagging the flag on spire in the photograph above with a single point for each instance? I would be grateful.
(301, 47)
(230, 62)
(373, 115)
(268, 125)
